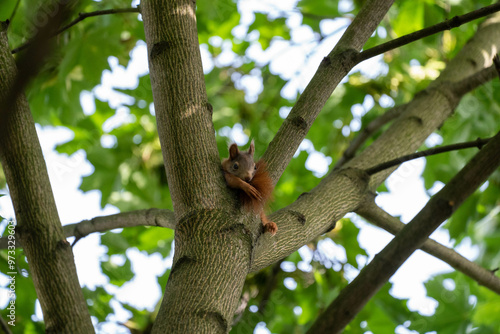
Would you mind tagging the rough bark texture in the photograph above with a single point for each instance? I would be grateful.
(212, 240)
(49, 255)
(312, 214)
(184, 116)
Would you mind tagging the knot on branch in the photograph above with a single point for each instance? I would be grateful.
(159, 48)
(331, 227)
(63, 243)
(326, 62)
(217, 318)
(358, 176)
(4, 25)
(210, 109)
(447, 206)
(348, 58)
(299, 122)
(181, 262)
(453, 23)
(301, 218)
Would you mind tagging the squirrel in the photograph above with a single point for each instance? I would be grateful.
(253, 181)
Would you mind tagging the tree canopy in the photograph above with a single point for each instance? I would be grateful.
(258, 59)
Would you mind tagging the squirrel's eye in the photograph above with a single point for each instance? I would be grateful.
(235, 166)
(255, 167)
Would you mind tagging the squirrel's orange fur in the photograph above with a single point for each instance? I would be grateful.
(256, 187)
(263, 184)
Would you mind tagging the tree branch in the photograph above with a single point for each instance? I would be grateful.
(14, 11)
(473, 81)
(212, 240)
(415, 36)
(29, 64)
(343, 190)
(312, 214)
(374, 214)
(81, 17)
(149, 217)
(440, 207)
(479, 143)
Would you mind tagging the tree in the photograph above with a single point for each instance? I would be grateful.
(222, 261)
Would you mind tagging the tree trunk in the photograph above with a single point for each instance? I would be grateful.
(38, 228)
(214, 241)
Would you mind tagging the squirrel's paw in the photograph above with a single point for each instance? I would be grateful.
(254, 193)
(271, 227)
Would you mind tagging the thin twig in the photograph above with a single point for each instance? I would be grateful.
(414, 36)
(14, 11)
(461, 87)
(81, 17)
(333, 68)
(479, 143)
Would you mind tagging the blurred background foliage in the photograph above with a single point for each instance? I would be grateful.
(245, 46)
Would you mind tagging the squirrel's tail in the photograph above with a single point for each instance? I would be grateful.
(263, 183)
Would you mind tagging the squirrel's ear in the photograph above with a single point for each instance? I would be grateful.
(233, 151)
(251, 149)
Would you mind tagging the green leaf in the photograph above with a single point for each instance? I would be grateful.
(6, 9)
(410, 18)
(118, 274)
(115, 242)
(98, 301)
(346, 233)
(454, 312)
(269, 29)
(156, 239)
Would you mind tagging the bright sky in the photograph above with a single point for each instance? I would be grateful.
(406, 197)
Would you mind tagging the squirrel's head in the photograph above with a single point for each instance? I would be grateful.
(242, 163)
